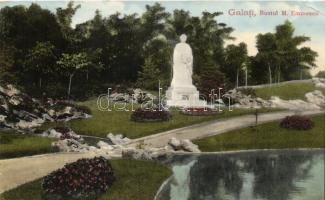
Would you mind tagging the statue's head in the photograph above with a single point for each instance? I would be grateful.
(183, 38)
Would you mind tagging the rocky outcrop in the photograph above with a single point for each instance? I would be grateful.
(314, 101)
(22, 112)
(316, 98)
(239, 99)
(319, 82)
(118, 139)
(183, 145)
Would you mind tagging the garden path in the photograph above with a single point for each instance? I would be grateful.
(17, 171)
(215, 127)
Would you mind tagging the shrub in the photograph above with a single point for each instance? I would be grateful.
(296, 122)
(143, 115)
(210, 81)
(83, 178)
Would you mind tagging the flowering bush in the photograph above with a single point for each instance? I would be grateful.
(198, 111)
(85, 177)
(296, 122)
(142, 115)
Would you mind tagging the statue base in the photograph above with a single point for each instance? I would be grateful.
(184, 96)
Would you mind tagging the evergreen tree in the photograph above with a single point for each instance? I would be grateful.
(149, 76)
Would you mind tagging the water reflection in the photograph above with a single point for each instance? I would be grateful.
(271, 175)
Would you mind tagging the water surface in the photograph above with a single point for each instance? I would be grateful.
(264, 175)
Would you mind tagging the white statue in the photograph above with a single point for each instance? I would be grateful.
(182, 92)
(182, 64)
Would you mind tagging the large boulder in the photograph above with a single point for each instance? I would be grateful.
(118, 139)
(316, 97)
(183, 145)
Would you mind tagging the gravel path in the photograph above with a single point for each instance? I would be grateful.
(214, 127)
(17, 171)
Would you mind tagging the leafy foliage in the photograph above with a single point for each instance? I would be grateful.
(40, 49)
(85, 177)
(296, 122)
(320, 74)
(144, 115)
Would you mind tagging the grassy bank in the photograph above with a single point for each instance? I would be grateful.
(16, 145)
(118, 122)
(266, 136)
(288, 91)
(135, 180)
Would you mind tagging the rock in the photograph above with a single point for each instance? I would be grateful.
(143, 154)
(2, 118)
(118, 139)
(47, 117)
(187, 145)
(70, 145)
(22, 124)
(316, 97)
(182, 145)
(104, 146)
(175, 143)
(52, 133)
(9, 90)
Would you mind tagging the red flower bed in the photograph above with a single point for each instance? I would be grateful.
(144, 115)
(85, 177)
(199, 111)
(296, 122)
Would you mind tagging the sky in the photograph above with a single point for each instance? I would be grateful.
(246, 27)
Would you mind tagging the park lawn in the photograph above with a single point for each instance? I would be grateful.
(17, 145)
(266, 136)
(118, 122)
(288, 91)
(134, 180)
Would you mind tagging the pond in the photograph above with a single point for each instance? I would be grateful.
(262, 175)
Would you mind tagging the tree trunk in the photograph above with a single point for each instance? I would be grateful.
(87, 75)
(246, 78)
(69, 88)
(270, 73)
(40, 82)
(237, 77)
(279, 75)
(300, 73)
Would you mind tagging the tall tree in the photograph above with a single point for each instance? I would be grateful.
(149, 76)
(236, 60)
(71, 64)
(41, 60)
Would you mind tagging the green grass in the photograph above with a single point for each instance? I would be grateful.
(118, 122)
(135, 180)
(16, 145)
(288, 91)
(266, 136)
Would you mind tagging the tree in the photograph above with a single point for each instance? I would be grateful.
(320, 74)
(41, 60)
(236, 59)
(149, 76)
(72, 63)
(267, 52)
(64, 18)
(282, 56)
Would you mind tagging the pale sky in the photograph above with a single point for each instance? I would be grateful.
(246, 28)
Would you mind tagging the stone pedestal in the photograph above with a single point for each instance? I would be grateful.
(187, 96)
